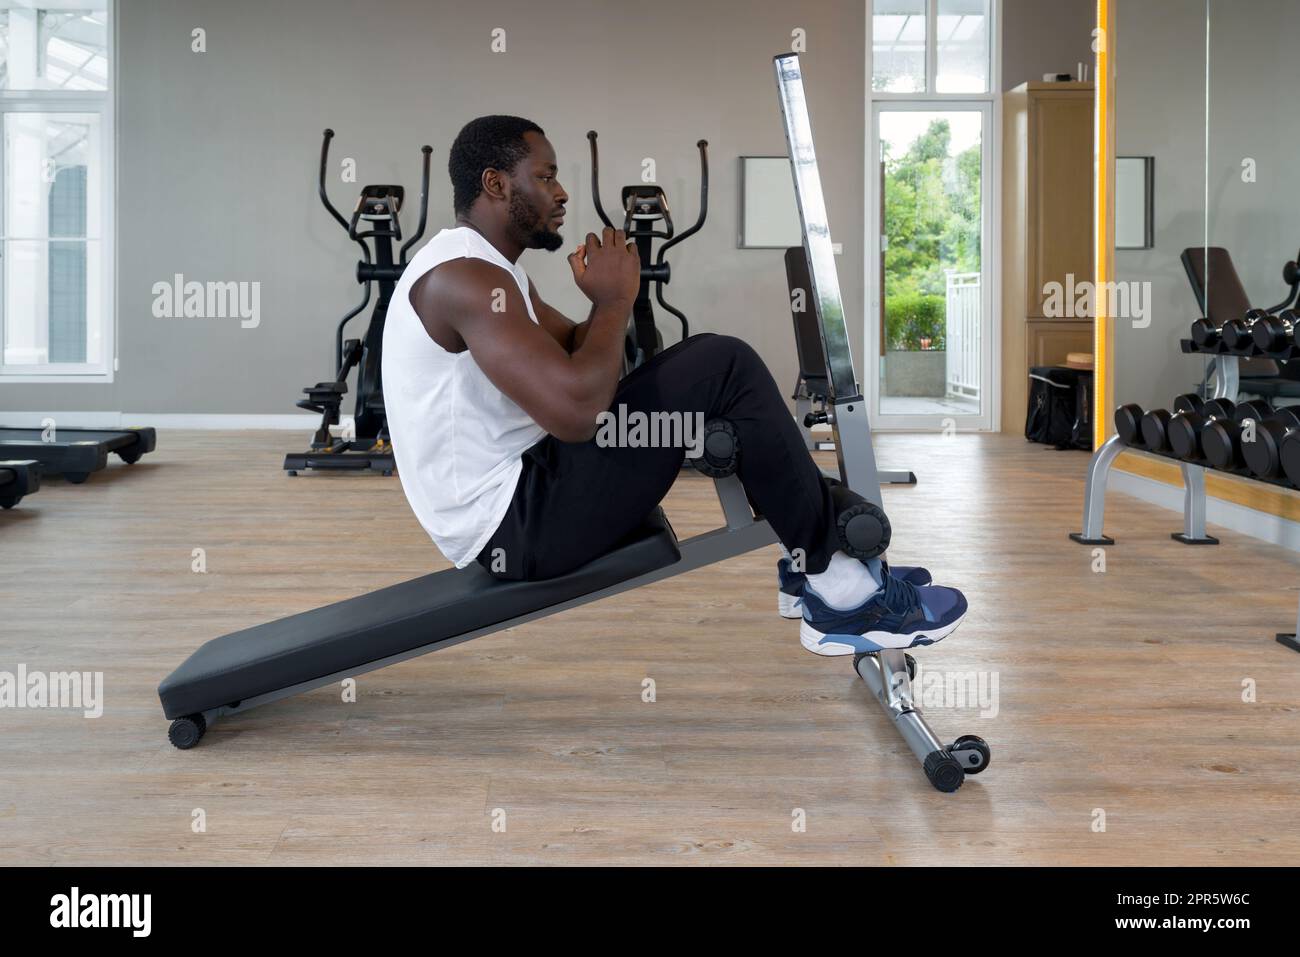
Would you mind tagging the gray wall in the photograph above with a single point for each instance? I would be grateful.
(1045, 36)
(1160, 111)
(217, 155)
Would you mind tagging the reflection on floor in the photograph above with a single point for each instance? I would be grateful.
(928, 405)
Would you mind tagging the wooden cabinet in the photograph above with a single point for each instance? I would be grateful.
(1047, 188)
(1048, 342)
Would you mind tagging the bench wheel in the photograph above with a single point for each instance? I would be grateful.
(972, 752)
(944, 771)
(76, 478)
(188, 731)
(130, 458)
(9, 501)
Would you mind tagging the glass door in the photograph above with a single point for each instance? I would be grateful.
(931, 295)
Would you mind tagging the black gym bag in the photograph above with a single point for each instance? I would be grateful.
(1060, 407)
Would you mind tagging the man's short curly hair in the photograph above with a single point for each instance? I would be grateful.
(489, 142)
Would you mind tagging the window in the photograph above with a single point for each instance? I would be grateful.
(930, 46)
(55, 195)
(962, 44)
(898, 37)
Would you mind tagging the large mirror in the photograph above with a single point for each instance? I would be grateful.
(1207, 91)
(1252, 203)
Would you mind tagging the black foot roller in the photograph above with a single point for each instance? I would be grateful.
(944, 771)
(721, 454)
(862, 526)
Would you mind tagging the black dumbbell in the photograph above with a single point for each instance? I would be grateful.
(1205, 333)
(1263, 454)
(1184, 428)
(1220, 438)
(1236, 333)
(1290, 455)
(1128, 425)
(1155, 424)
(1272, 333)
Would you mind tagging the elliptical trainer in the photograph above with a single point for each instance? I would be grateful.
(369, 448)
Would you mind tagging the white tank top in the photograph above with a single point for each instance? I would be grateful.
(457, 438)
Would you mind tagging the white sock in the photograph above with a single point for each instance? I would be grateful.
(845, 584)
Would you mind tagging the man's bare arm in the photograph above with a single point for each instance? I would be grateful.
(580, 334)
(562, 329)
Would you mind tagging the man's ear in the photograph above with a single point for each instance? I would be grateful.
(494, 183)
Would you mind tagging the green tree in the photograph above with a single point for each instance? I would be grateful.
(932, 224)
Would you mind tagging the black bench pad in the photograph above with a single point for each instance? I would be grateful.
(393, 620)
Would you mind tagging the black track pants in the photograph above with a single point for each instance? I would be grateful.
(576, 500)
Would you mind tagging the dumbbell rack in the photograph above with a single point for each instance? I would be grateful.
(1225, 385)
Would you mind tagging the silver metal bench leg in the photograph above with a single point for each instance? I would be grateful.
(1094, 494)
(888, 675)
(1193, 532)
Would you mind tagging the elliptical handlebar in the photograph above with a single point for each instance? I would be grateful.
(703, 146)
(424, 204)
(595, 180)
(325, 198)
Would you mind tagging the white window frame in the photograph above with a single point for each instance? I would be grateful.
(100, 369)
(990, 102)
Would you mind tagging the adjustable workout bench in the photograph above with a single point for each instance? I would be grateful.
(272, 661)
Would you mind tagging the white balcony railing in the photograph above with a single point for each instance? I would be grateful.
(963, 334)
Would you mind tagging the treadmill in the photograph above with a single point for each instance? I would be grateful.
(75, 453)
(18, 478)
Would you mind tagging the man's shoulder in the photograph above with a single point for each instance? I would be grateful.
(458, 282)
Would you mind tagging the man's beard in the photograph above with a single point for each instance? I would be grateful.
(531, 230)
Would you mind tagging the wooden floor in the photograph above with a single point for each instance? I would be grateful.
(1119, 692)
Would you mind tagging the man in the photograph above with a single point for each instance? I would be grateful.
(493, 398)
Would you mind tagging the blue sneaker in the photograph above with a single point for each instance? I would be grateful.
(790, 584)
(898, 615)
